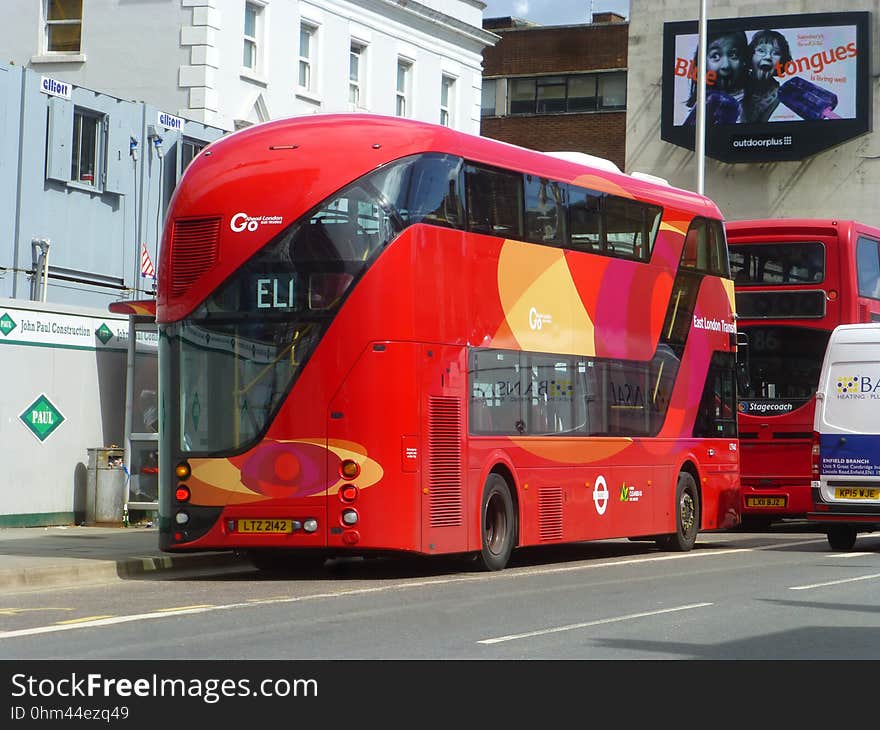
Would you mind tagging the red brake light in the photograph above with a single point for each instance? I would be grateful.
(182, 494)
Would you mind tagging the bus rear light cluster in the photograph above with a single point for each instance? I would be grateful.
(349, 517)
(349, 469)
(814, 456)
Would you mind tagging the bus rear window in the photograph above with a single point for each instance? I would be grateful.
(794, 263)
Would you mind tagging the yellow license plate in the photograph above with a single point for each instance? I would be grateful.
(265, 526)
(856, 493)
(765, 501)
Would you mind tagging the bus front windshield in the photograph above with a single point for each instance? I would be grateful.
(784, 362)
(232, 362)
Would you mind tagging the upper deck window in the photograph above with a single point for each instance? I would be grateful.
(705, 248)
(756, 264)
(868, 265)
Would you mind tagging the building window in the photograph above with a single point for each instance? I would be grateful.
(85, 147)
(251, 52)
(487, 97)
(447, 97)
(189, 148)
(575, 93)
(612, 90)
(355, 71)
(307, 49)
(550, 94)
(63, 26)
(404, 71)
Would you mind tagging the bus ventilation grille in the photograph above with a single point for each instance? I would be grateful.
(444, 449)
(550, 514)
(194, 246)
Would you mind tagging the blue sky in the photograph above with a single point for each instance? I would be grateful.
(554, 12)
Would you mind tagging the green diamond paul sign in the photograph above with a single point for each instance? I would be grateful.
(7, 324)
(42, 418)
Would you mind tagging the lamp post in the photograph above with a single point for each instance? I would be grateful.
(700, 143)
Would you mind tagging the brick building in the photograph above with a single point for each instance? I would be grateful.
(558, 87)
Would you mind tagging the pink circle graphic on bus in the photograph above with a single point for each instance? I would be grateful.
(286, 469)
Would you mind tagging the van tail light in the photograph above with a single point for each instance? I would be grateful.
(814, 456)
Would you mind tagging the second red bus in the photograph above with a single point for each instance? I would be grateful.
(795, 280)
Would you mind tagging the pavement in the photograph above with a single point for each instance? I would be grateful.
(42, 557)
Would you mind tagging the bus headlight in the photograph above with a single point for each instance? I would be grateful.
(310, 525)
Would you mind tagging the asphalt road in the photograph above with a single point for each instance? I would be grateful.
(775, 595)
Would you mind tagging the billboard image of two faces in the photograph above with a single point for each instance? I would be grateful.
(777, 87)
(760, 75)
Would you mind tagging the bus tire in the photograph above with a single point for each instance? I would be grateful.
(841, 537)
(687, 516)
(497, 525)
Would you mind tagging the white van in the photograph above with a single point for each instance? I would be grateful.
(846, 438)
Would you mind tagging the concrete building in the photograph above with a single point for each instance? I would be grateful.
(842, 181)
(86, 175)
(558, 87)
(229, 63)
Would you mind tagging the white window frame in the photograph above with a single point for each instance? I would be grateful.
(256, 40)
(402, 95)
(48, 24)
(307, 67)
(356, 76)
(87, 171)
(447, 100)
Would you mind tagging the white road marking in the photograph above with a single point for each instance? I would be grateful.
(586, 624)
(834, 582)
(500, 575)
(849, 555)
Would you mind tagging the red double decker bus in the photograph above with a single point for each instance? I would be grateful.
(796, 280)
(379, 335)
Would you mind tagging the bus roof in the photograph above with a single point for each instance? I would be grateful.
(793, 227)
(399, 136)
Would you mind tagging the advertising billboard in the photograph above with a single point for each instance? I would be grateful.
(777, 88)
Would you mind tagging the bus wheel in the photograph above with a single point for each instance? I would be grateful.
(841, 537)
(497, 524)
(687, 516)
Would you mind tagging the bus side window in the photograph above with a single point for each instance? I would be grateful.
(585, 219)
(494, 202)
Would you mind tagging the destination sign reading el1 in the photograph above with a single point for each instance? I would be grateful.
(275, 292)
